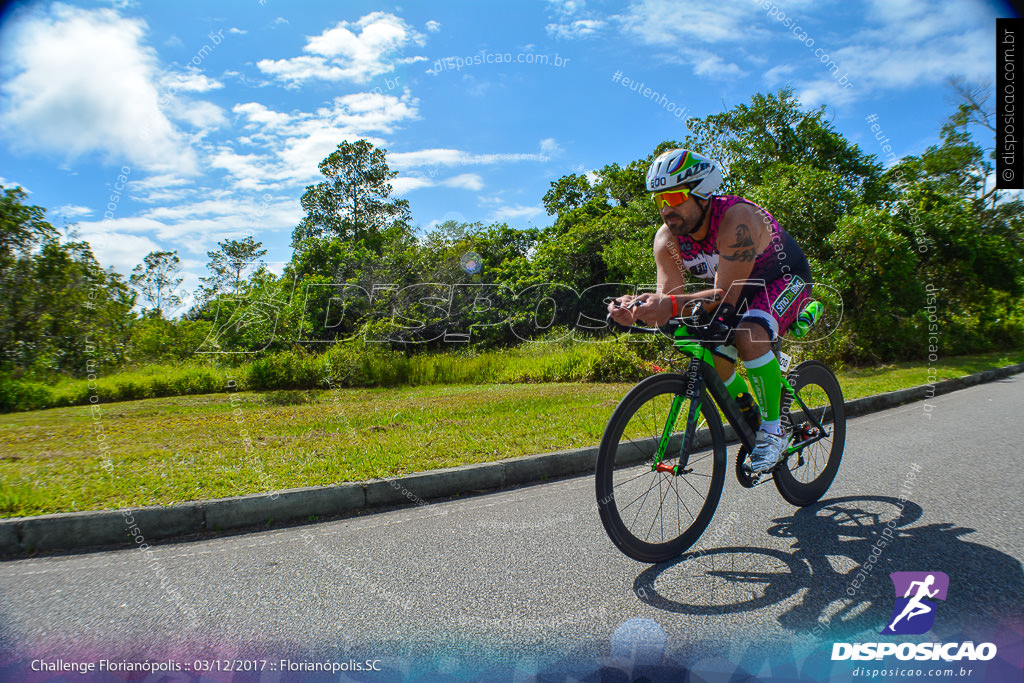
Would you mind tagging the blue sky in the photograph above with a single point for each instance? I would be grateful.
(216, 114)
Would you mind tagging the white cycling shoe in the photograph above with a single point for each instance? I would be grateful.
(767, 451)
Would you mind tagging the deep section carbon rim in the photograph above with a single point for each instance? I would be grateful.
(808, 473)
(656, 515)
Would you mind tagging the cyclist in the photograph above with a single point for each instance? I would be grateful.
(761, 280)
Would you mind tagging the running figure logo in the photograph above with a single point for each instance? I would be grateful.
(914, 613)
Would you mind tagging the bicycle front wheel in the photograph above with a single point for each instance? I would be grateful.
(654, 514)
(807, 473)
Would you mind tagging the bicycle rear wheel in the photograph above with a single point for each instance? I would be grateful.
(652, 515)
(807, 473)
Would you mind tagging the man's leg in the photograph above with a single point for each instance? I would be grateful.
(725, 366)
(755, 348)
(754, 343)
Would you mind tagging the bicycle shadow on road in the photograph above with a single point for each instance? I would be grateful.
(842, 553)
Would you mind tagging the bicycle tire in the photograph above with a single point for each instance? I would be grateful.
(789, 479)
(643, 412)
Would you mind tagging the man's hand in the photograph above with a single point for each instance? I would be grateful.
(621, 310)
(656, 309)
(651, 308)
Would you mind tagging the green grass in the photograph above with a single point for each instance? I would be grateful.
(340, 365)
(169, 450)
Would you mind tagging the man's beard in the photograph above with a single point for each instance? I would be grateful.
(682, 227)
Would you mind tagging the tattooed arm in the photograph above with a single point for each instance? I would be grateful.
(743, 235)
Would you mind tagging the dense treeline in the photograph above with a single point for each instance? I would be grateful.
(923, 257)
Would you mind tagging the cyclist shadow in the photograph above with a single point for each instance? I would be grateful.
(843, 551)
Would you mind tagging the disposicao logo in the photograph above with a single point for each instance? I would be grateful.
(914, 612)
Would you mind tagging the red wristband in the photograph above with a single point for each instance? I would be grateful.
(675, 306)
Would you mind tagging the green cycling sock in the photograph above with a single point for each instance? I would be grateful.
(736, 385)
(766, 379)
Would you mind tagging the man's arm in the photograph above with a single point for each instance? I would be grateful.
(671, 279)
(669, 262)
(657, 307)
(741, 237)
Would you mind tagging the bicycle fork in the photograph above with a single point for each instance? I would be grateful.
(692, 392)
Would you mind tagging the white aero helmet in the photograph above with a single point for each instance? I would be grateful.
(681, 167)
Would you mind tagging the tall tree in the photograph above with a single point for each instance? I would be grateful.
(353, 202)
(775, 129)
(22, 226)
(229, 262)
(157, 278)
(59, 310)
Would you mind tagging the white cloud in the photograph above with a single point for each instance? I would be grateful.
(580, 28)
(203, 115)
(914, 22)
(83, 82)
(673, 23)
(159, 188)
(711, 65)
(123, 251)
(573, 21)
(684, 28)
(190, 81)
(506, 213)
(261, 117)
(209, 207)
(777, 74)
(549, 146)
(403, 185)
(196, 228)
(454, 157)
(465, 181)
(936, 42)
(73, 211)
(433, 26)
(289, 146)
(351, 51)
(567, 8)
(237, 31)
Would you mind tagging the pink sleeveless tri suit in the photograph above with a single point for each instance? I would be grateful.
(780, 284)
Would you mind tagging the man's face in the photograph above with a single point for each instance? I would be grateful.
(683, 219)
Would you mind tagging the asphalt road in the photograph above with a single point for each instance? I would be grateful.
(524, 581)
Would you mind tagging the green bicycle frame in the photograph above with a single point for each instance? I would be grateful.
(701, 372)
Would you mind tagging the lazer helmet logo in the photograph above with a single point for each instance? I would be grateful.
(914, 612)
(696, 169)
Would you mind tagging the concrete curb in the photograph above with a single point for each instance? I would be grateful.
(105, 528)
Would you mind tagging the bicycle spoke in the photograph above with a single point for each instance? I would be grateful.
(683, 503)
(657, 515)
(638, 497)
(641, 508)
(642, 474)
(694, 488)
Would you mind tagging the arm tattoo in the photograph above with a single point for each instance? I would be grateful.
(743, 250)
